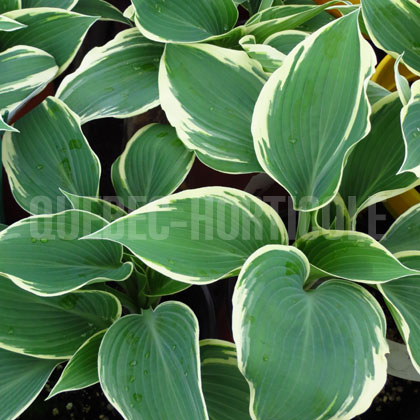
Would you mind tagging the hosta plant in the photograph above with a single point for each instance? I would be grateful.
(284, 90)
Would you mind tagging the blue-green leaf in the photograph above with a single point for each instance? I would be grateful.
(49, 152)
(119, 79)
(43, 255)
(295, 142)
(192, 81)
(136, 347)
(306, 354)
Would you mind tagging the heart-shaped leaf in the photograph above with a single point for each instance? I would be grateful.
(225, 389)
(404, 234)
(411, 132)
(307, 354)
(149, 365)
(21, 380)
(393, 26)
(42, 254)
(192, 79)
(119, 79)
(82, 369)
(56, 31)
(351, 255)
(198, 236)
(370, 175)
(295, 143)
(25, 71)
(49, 153)
(53, 327)
(176, 21)
(154, 164)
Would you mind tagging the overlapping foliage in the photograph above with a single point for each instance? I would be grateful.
(287, 91)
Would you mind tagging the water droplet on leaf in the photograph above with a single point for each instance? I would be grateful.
(137, 397)
(75, 144)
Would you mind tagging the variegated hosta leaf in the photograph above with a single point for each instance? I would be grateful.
(376, 92)
(393, 26)
(307, 354)
(82, 369)
(285, 41)
(198, 236)
(25, 72)
(410, 116)
(7, 5)
(53, 327)
(59, 4)
(161, 285)
(371, 170)
(100, 8)
(225, 389)
(154, 164)
(149, 365)
(43, 255)
(119, 79)
(105, 209)
(269, 58)
(192, 81)
(301, 135)
(5, 127)
(9, 25)
(56, 31)
(280, 18)
(402, 297)
(404, 234)
(49, 153)
(178, 21)
(401, 83)
(130, 12)
(21, 380)
(351, 255)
